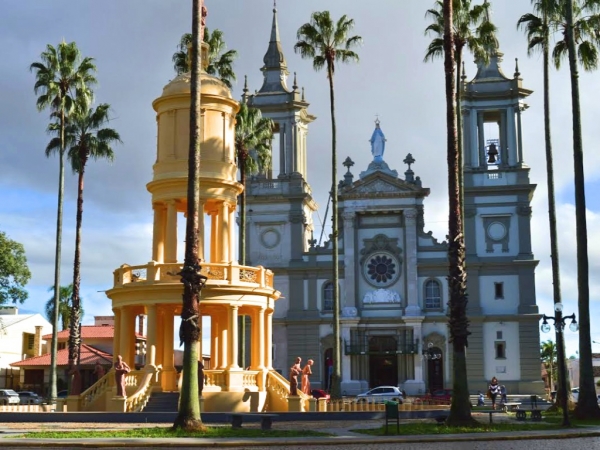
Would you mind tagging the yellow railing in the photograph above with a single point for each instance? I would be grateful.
(154, 272)
(93, 397)
(138, 400)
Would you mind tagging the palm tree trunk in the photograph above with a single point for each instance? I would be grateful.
(461, 187)
(587, 405)
(336, 387)
(460, 410)
(561, 394)
(188, 417)
(52, 378)
(75, 326)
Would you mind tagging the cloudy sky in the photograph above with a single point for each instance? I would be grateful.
(133, 41)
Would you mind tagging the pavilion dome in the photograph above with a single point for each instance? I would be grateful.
(210, 85)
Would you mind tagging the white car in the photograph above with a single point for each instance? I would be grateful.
(575, 394)
(9, 397)
(381, 394)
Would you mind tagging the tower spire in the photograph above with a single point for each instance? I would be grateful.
(275, 68)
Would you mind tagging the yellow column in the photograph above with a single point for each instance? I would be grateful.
(259, 326)
(224, 232)
(214, 342)
(152, 331)
(158, 237)
(233, 333)
(214, 232)
(126, 336)
(171, 233)
(117, 336)
(201, 230)
(224, 325)
(268, 339)
(169, 372)
(231, 233)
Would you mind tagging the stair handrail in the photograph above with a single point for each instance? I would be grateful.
(138, 400)
(97, 390)
(279, 386)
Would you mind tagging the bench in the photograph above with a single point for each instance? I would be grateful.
(490, 412)
(510, 406)
(536, 414)
(266, 420)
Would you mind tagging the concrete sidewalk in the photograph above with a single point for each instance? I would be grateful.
(340, 431)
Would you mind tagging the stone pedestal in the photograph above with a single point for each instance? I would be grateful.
(72, 403)
(117, 404)
(294, 403)
(312, 404)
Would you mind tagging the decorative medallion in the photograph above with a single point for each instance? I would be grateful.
(270, 238)
(381, 269)
(496, 231)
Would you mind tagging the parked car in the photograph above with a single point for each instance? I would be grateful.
(442, 395)
(575, 394)
(9, 397)
(29, 398)
(381, 394)
(319, 393)
(62, 394)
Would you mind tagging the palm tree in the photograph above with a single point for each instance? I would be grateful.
(60, 73)
(539, 28)
(220, 61)
(188, 417)
(326, 42)
(548, 355)
(64, 308)
(458, 324)
(472, 29)
(580, 26)
(253, 134)
(87, 140)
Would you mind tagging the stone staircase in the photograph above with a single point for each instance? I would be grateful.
(162, 402)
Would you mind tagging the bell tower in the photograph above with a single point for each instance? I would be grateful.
(497, 215)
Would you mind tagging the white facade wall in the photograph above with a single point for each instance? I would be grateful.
(504, 369)
(509, 304)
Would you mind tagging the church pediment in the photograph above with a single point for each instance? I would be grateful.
(378, 185)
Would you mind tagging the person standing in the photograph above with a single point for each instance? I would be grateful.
(493, 391)
(306, 373)
(480, 399)
(503, 398)
(295, 370)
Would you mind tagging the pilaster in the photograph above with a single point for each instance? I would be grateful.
(412, 293)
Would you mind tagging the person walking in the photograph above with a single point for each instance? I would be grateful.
(480, 399)
(306, 373)
(493, 391)
(503, 398)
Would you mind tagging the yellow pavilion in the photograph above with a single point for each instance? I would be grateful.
(154, 289)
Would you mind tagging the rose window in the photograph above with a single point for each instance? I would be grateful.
(381, 268)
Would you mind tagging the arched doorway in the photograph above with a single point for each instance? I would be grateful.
(435, 369)
(383, 362)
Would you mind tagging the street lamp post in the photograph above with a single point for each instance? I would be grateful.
(559, 325)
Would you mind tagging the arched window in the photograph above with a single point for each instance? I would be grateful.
(433, 295)
(327, 297)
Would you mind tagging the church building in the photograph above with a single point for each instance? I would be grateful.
(393, 287)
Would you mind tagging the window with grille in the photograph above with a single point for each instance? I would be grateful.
(328, 297)
(433, 295)
(30, 341)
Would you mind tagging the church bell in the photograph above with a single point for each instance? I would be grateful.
(492, 153)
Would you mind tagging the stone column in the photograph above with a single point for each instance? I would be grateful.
(158, 233)
(223, 337)
(268, 342)
(410, 260)
(481, 140)
(349, 260)
(519, 136)
(214, 232)
(231, 233)
(160, 335)
(214, 342)
(233, 341)
(152, 328)
(513, 158)
(223, 232)
(168, 372)
(258, 339)
(282, 148)
(117, 337)
(201, 236)
(171, 233)
(126, 335)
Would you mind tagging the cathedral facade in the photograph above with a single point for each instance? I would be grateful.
(393, 287)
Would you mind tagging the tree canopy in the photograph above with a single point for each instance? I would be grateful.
(14, 272)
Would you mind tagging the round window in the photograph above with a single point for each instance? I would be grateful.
(381, 269)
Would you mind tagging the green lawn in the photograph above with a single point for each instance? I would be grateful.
(434, 428)
(166, 432)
